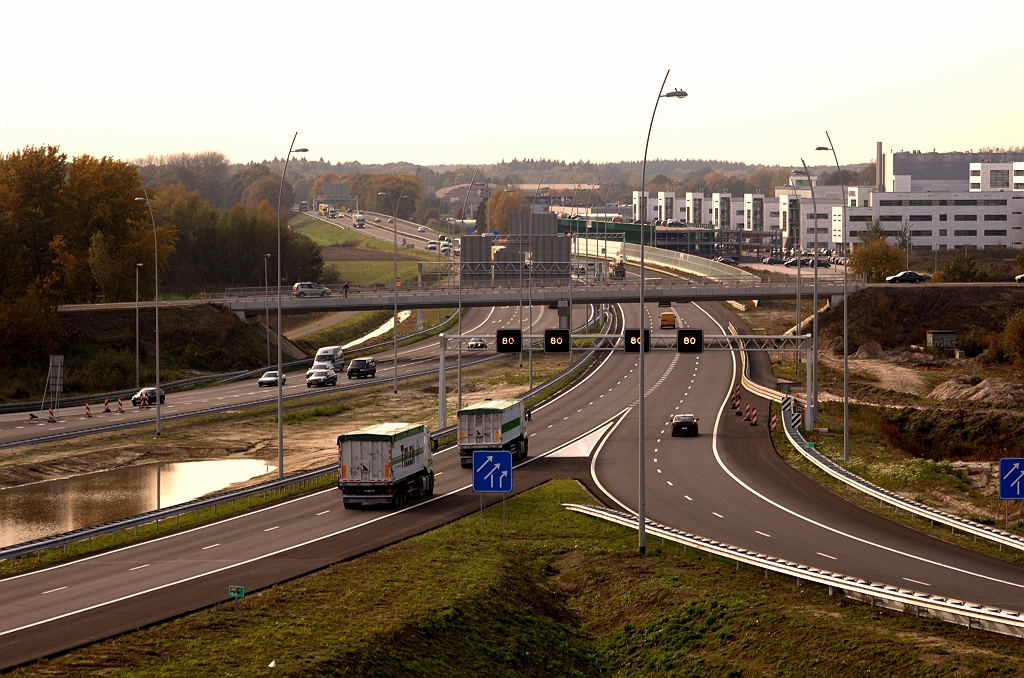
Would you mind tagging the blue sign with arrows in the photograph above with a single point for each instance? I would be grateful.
(492, 471)
(1011, 474)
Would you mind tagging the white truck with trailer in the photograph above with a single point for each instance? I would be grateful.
(385, 464)
(493, 425)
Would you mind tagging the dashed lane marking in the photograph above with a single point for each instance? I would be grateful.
(763, 534)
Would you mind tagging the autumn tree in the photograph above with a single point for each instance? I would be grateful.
(875, 260)
(500, 204)
(961, 268)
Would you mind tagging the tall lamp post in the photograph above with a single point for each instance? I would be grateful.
(266, 303)
(642, 512)
(394, 228)
(812, 383)
(280, 362)
(137, 268)
(846, 310)
(156, 299)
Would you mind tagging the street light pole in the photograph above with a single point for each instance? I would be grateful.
(156, 298)
(137, 267)
(280, 340)
(266, 304)
(642, 510)
(812, 384)
(846, 308)
(394, 228)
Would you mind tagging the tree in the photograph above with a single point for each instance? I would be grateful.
(481, 216)
(500, 204)
(961, 268)
(100, 263)
(873, 233)
(267, 188)
(1020, 261)
(903, 240)
(875, 260)
(1013, 335)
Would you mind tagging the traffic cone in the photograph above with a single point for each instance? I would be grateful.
(753, 417)
(106, 404)
(120, 407)
(51, 414)
(88, 410)
(774, 420)
(746, 411)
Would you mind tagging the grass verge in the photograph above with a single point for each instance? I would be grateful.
(554, 594)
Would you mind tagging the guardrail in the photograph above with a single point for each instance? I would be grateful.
(967, 614)
(796, 439)
(438, 439)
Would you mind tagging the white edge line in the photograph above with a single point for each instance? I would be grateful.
(718, 458)
(593, 461)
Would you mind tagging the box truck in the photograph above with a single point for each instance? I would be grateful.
(385, 464)
(492, 425)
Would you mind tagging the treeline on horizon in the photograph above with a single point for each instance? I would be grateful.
(73, 231)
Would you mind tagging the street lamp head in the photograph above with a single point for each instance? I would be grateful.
(267, 256)
(140, 200)
(823, 148)
(676, 94)
(301, 150)
(138, 265)
(382, 193)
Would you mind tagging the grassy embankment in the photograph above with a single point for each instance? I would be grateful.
(554, 594)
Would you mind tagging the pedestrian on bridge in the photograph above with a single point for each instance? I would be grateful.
(345, 288)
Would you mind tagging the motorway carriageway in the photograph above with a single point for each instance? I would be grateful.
(423, 355)
(728, 484)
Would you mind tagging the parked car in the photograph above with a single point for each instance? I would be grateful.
(150, 394)
(684, 424)
(362, 367)
(905, 277)
(309, 289)
(728, 261)
(270, 379)
(822, 264)
(771, 261)
(476, 343)
(322, 378)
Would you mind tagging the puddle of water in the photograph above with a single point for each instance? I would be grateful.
(383, 329)
(56, 506)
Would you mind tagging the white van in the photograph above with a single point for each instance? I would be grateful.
(328, 358)
(431, 244)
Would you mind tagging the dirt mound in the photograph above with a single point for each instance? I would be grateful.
(973, 388)
(869, 351)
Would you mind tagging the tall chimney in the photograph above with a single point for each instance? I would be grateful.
(879, 168)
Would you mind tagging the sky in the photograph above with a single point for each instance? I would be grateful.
(479, 82)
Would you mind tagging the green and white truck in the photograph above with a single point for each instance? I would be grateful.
(385, 464)
(492, 425)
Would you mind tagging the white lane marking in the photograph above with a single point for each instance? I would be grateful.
(287, 548)
(826, 555)
(132, 569)
(271, 528)
(659, 470)
(550, 425)
(210, 547)
(717, 514)
(53, 590)
(922, 583)
(323, 512)
(861, 540)
(669, 482)
(763, 534)
(439, 473)
(688, 497)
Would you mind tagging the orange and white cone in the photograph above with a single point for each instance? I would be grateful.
(753, 417)
(88, 410)
(746, 412)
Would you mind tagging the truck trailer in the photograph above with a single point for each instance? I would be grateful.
(492, 425)
(385, 464)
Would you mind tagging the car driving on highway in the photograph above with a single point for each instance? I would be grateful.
(150, 394)
(362, 367)
(322, 378)
(684, 425)
(270, 379)
(905, 277)
(476, 343)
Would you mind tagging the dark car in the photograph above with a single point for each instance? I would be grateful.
(150, 394)
(322, 378)
(664, 304)
(362, 367)
(684, 425)
(728, 261)
(771, 261)
(905, 277)
(309, 289)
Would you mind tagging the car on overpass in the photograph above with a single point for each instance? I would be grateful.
(905, 277)
(309, 289)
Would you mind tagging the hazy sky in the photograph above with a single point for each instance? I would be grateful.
(478, 82)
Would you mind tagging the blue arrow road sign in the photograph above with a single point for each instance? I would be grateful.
(1011, 478)
(492, 471)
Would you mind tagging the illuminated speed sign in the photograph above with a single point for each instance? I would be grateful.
(632, 341)
(690, 341)
(556, 341)
(509, 341)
